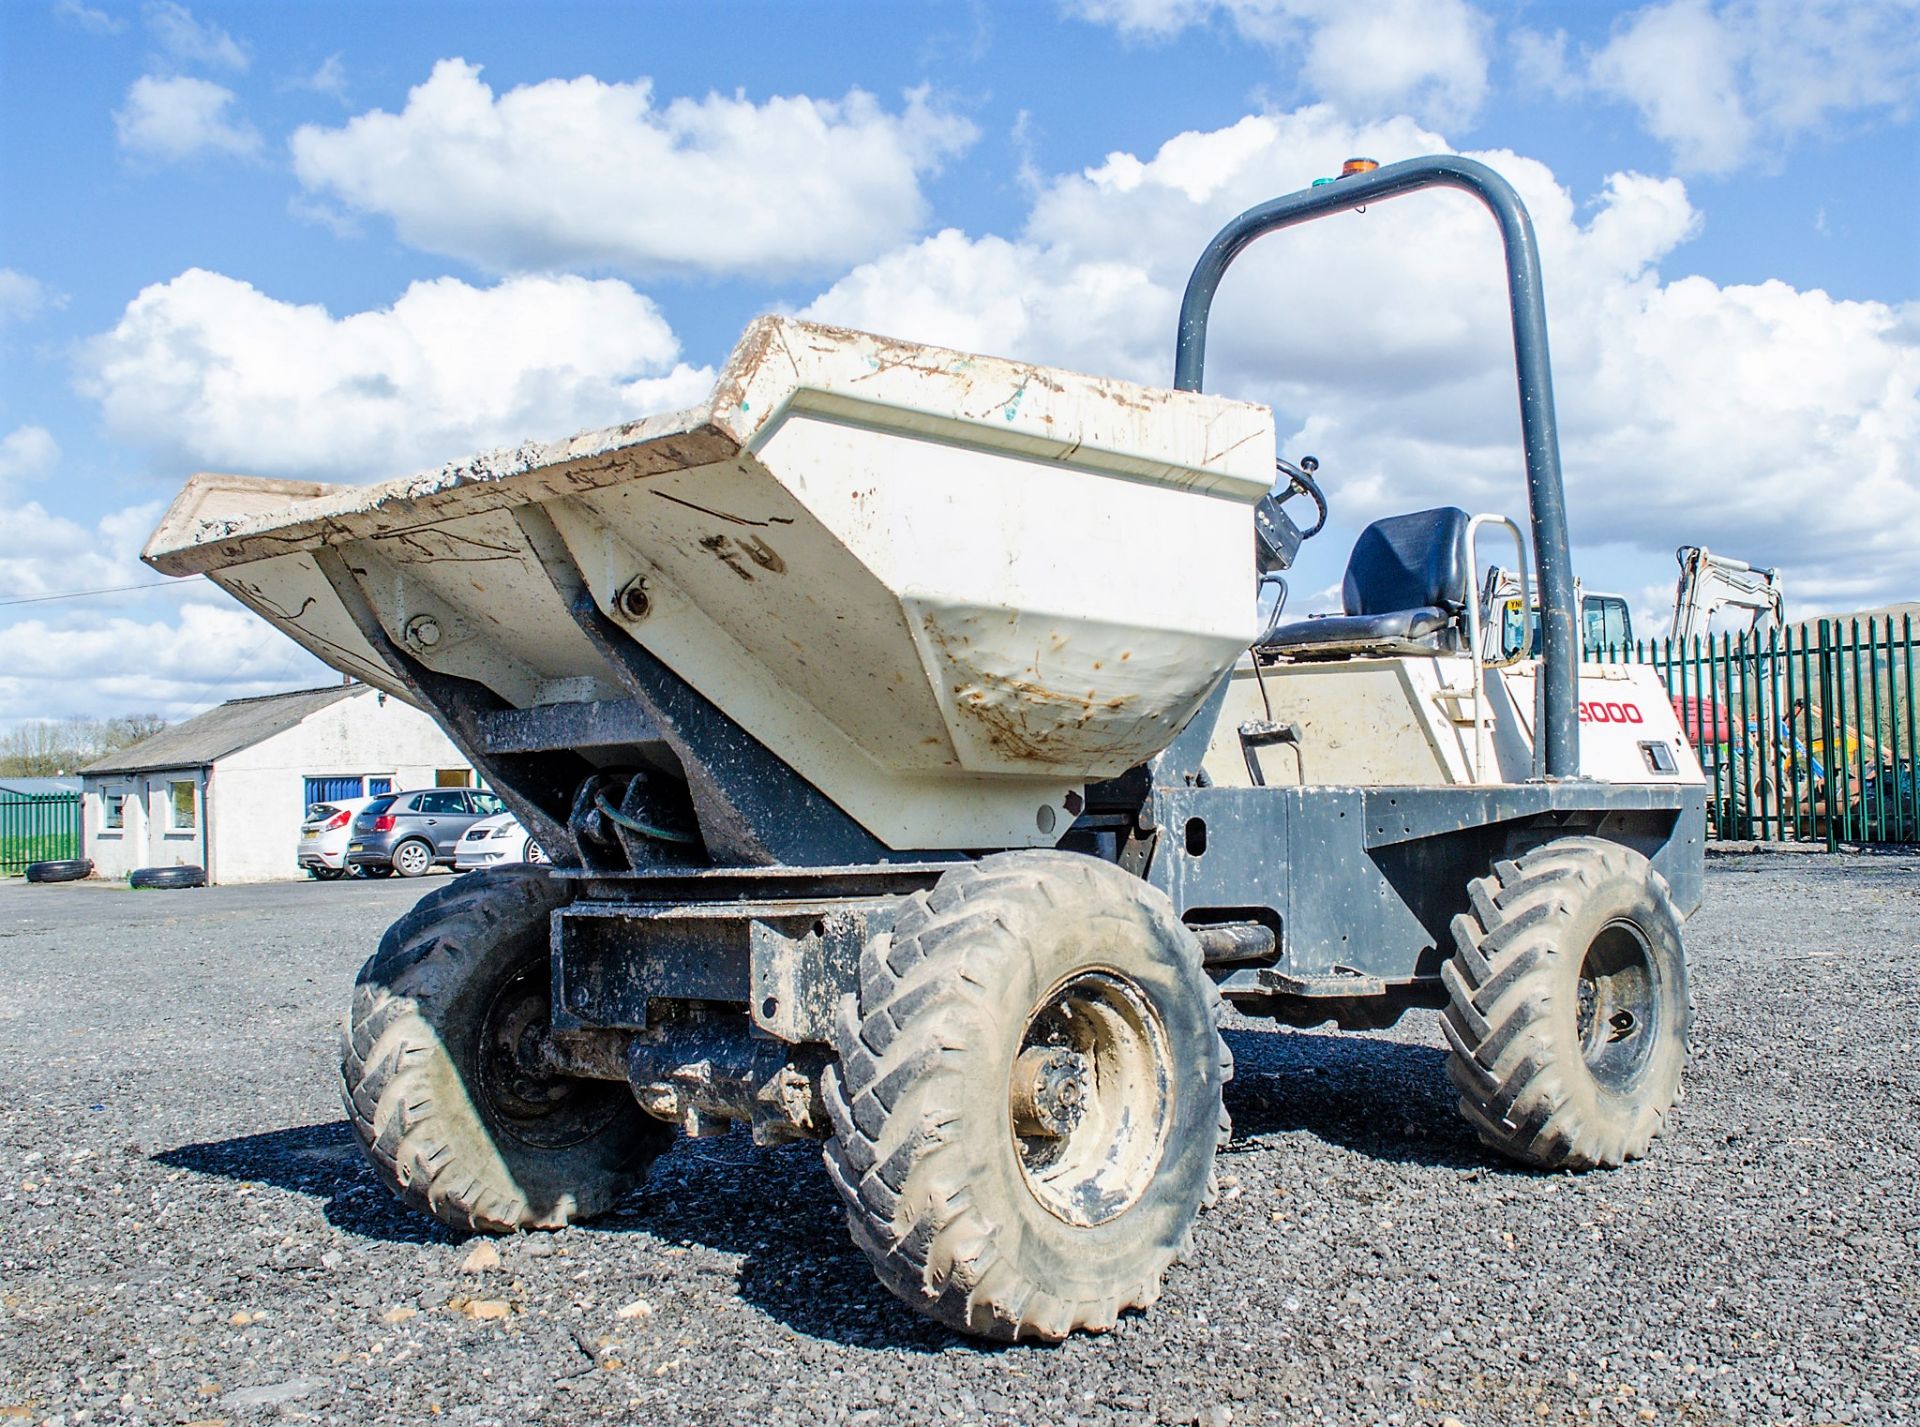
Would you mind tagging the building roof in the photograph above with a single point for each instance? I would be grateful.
(39, 787)
(234, 725)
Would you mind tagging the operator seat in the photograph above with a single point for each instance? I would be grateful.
(1406, 591)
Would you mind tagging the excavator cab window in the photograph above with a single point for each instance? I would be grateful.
(1604, 623)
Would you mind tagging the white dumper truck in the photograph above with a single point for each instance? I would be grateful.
(920, 775)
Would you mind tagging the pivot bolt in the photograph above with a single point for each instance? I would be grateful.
(423, 631)
(633, 600)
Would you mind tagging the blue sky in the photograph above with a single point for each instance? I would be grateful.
(350, 241)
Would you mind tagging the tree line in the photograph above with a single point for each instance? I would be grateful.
(47, 748)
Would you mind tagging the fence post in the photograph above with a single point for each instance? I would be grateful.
(1827, 763)
(1911, 825)
(1859, 711)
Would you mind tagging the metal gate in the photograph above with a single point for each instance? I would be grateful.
(1807, 733)
(37, 828)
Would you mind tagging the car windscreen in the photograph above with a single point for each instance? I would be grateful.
(320, 812)
(378, 805)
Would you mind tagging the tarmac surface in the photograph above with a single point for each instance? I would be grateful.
(188, 1233)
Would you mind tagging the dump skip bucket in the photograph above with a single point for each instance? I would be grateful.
(948, 590)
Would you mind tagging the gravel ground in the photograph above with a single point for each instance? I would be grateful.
(187, 1232)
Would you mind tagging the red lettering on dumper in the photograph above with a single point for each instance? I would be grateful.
(1611, 711)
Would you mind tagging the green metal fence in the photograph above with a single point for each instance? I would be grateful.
(37, 828)
(1806, 734)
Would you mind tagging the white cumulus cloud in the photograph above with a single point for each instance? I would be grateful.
(24, 297)
(1427, 57)
(206, 372)
(172, 662)
(585, 174)
(94, 22)
(26, 453)
(173, 650)
(1690, 411)
(1724, 84)
(168, 120)
(196, 44)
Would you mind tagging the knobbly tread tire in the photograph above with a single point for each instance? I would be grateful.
(67, 869)
(1513, 986)
(918, 1097)
(407, 1057)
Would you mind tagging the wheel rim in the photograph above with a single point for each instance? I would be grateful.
(517, 1094)
(410, 859)
(1090, 1097)
(534, 854)
(1616, 1018)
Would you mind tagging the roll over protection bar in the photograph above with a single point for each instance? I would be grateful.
(1557, 745)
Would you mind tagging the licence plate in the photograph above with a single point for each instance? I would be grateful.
(356, 847)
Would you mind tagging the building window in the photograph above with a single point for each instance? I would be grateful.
(182, 806)
(113, 812)
(453, 778)
(333, 790)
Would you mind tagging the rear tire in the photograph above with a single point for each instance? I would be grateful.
(1028, 1096)
(1569, 1010)
(326, 874)
(452, 1121)
(412, 858)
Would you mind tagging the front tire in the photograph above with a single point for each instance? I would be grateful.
(1028, 1096)
(1569, 1012)
(453, 1120)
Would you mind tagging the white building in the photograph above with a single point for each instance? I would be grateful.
(226, 789)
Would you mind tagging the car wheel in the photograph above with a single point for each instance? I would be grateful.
(413, 859)
(534, 853)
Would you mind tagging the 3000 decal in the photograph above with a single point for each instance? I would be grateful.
(1610, 712)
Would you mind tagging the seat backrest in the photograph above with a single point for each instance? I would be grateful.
(1410, 562)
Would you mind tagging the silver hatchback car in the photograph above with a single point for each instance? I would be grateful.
(411, 833)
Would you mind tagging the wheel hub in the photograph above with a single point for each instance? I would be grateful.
(1050, 1090)
(515, 1075)
(1616, 1015)
(1090, 1098)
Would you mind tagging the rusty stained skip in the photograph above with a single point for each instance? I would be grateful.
(1039, 713)
(918, 465)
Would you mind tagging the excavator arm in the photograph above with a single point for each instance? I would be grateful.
(1710, 582)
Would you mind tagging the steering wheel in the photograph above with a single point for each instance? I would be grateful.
(1300, 481)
